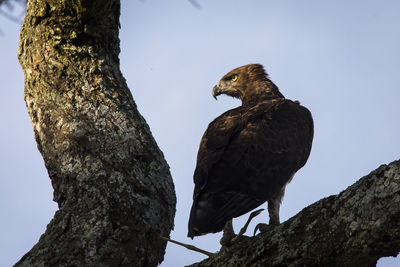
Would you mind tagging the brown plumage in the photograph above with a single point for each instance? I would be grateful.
(249, 153)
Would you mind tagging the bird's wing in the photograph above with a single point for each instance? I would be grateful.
(276, 132)
(215, 140)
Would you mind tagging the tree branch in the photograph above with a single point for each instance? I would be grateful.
(354, 228)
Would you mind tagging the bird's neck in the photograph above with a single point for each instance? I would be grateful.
(262, 91)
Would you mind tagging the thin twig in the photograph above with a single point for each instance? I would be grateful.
(189, 246)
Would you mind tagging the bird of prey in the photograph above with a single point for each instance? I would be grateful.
(250, 153)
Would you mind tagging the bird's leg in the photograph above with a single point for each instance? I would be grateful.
(227, 236)
(273, 211)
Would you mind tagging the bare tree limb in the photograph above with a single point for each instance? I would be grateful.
(354, 228)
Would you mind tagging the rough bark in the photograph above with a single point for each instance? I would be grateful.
(111, 182)
(354, 228)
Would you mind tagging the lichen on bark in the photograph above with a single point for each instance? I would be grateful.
(354, 228)
(111, 182)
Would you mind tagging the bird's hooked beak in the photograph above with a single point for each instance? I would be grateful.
(217, 90)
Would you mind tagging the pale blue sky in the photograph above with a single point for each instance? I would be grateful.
(339, 59)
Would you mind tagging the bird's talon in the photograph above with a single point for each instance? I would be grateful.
(262, 227)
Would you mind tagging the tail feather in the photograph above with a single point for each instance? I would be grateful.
(210, 211)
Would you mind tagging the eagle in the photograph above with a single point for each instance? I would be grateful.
(248, 154)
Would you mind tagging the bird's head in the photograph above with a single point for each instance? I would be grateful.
(248, 83)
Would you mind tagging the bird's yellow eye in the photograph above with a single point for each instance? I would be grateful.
(234, 77)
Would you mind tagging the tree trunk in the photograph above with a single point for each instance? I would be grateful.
(354, 228)
(111, 182)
